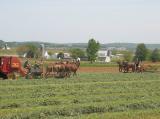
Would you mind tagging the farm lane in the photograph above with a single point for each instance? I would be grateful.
(99, 69)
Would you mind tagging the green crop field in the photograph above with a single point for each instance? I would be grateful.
(87, 96)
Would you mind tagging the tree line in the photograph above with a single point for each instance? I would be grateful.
(32, 51)
(141, 53)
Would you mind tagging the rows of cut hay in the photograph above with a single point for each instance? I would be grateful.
(89, 95)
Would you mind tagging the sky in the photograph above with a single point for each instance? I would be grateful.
(77, 21)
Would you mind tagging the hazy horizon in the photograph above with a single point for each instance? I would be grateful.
(83, 42)
(77, 21)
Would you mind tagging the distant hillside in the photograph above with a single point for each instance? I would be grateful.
(48, 45)
(129, 46)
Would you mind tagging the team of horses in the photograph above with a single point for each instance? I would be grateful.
(126, 67)
(62, 69)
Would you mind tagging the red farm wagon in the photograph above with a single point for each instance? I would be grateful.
(10, 66)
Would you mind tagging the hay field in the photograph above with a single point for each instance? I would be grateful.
(87, 96)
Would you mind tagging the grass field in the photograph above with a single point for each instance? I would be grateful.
(87, 96)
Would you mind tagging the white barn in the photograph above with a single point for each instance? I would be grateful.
(104, 56)
(46, 55)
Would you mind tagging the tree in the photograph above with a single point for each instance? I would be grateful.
(30, 50)
(128, 56)
(155, 55)
(92, 50)
(141, 52)
(76, 52)
(21, 50)
(149, 53)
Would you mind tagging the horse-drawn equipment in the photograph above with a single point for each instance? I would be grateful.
(34, 73)
(10, 67)
(125, 66)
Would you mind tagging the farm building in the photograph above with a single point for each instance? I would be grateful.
(67, 56)
(104, 56)
(46, 55)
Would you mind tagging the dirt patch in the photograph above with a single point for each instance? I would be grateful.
(98, 69)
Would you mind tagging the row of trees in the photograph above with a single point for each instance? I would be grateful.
(33, 51)
(155, 55)
(141, 53)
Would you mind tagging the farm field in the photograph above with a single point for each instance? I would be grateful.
(98, 69)
(88, 96)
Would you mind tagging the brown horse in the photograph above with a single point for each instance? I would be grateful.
(49, 70)
(127, 66)
(73, 67)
